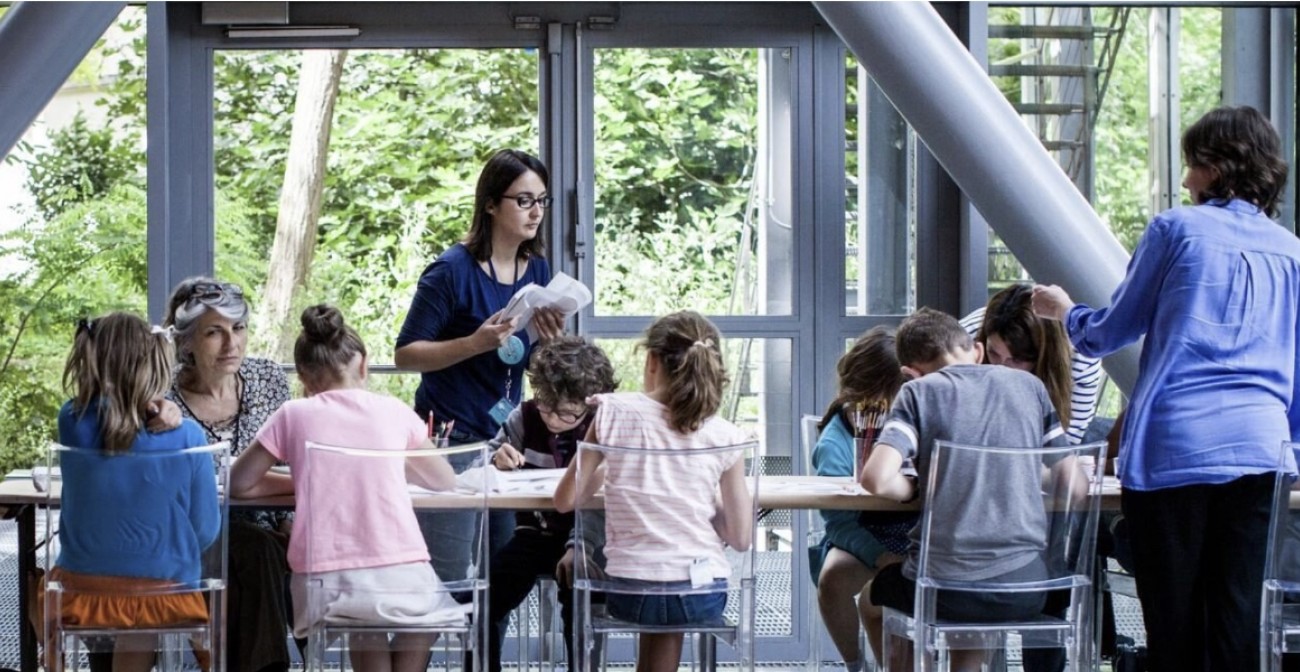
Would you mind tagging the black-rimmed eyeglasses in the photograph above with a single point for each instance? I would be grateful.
(527, 201)
(568, 415)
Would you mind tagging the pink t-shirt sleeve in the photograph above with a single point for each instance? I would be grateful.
(272, 434)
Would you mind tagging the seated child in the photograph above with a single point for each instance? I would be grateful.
(661, 522)
(374, 541)
(543, 433)
(119, 367)
(857, 544)
(953, 398)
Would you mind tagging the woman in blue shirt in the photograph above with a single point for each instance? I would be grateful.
(471, 365)
(1215, 288)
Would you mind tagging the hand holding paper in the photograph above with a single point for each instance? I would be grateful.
(563, 293)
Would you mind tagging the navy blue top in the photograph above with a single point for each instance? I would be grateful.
(453, 298)
(1215, 288)
(145, 518)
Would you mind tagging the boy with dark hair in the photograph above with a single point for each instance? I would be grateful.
(543, 433)
(951, 397)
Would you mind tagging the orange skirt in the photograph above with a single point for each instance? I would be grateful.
(105, 601)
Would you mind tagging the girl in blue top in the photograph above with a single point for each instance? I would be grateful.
(1215, 288)
(856, 545)
(119, 367)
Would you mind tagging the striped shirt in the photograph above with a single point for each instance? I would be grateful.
(658, 510)
(1085, 373)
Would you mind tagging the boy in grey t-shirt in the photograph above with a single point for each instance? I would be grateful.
(954, 398)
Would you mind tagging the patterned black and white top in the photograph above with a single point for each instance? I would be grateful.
(264, 389)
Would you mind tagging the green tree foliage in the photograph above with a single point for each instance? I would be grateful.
(674, 174)
(86, 261)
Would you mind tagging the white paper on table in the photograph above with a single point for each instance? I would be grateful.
(814, 488)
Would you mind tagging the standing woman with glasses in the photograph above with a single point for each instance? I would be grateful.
(230, 396)
(471, 363)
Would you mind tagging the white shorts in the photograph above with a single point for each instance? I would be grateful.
(409, 594)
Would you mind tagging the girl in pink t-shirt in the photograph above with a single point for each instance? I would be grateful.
(377, 569)
(662, 521)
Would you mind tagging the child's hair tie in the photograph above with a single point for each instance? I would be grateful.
(706, 343)
(168, 332)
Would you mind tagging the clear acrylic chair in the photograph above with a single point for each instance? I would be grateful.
(356, 619)
(808, 435)
(594, 624)
(1280, 616)
(546, 613)
(193, 485)
(1052, 525)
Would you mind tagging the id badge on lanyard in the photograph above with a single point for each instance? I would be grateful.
(502, 409)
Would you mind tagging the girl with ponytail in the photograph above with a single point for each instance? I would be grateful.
(711, 505)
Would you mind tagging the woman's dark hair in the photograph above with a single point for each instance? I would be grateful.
(869, 372)
(1033, 339)
(326, 345)
(1242, 149)
(501, 171)
(568, 368)
(689, 347)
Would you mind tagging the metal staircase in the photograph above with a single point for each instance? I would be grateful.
(1063, 61)
(1059, 62)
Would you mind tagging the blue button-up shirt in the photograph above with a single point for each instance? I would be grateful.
(1215, 289)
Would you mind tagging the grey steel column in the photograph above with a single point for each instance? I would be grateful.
(181, 227)
(978, 138)
(41, 43)
(1259, 70)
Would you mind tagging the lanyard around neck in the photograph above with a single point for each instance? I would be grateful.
(496, 284)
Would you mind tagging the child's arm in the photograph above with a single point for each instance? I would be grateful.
(430, 471)
(882, 475)
(567, 497)
(735, 517)
(251, 477)
(504, 456)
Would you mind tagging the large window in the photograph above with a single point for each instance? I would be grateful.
(685, 190)
(396, 155)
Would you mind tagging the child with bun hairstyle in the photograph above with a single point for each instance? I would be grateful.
(368, 522)
(698, 505)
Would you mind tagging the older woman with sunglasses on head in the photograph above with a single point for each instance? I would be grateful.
(471, 363)
(230, 396)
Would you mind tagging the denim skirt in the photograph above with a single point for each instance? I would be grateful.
(670, 603)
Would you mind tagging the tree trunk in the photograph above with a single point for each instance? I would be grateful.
(300, 202)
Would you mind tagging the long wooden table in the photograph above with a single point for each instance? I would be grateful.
(775, 492)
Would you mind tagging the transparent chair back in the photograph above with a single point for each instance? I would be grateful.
(808, 436)
(357, 616)
(188, 607)
(694, 470)
(1008, 524)
(1280, 616)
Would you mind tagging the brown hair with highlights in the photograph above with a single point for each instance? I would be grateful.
(689, 347)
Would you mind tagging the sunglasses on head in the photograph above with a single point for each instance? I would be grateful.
(214, 292)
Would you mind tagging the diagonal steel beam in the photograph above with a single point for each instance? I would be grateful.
(979, 139)
(41, 43)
